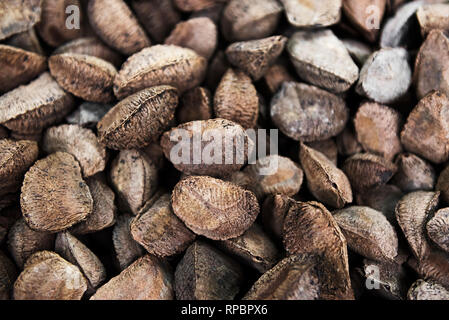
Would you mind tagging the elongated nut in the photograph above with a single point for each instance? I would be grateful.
(196, 104)
(204, 273)
(427, 290)
(214, 208)
(307, 113)
(18, 16)
(433, 16)
(303, 13)
(413, 173)
(116, 25)
(139, 119)
(54, 196)
(47, 276)
(158, 65)
(438, 227)
(148, 278)
(81, 143)
(127, 250)
(324, 180)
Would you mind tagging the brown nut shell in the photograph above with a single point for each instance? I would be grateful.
(196, 104)
(127, 250)
(18, 16)
(438, 228)
(413, 173)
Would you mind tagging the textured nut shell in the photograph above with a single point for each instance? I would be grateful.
(18, 16)
(196, 104)
(214, 208)
(433, 16)
(8, 274)
(127, 250)
(79, 142)
(47, 276)
(306, 113)
(15, 159)
(24, 241)
(360, 13)
(139, 119)
(435, 266)
(273, 213)
(146, 279)
(276, 75)
(413, 174)
(438, 228)
(324, 180)
(159, 231)
(158, 65)
(204, 273)
(76, 252)
(18, 67)
(26, 40)
(54, 196)
(236, 99)
(30, 108)
(117, 26)
(368, 233)
(87, 77)
(427, 290)
(304, 13)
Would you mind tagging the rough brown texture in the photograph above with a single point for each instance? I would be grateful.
(427, 290)
(426, 131)
(214, 208)
(443, 185)
(47, 276)
(433, 16)
(158, 65)
(139, 119)
(18, 15)
(81, 143)
(87, 77)
(27, 41)
(127, 250)
(204, 273)
(438, 228)
(116, 25)
(54, 196)
(307, 113)
(8, 274)
(15, 159)
(413, 173)
(134, 178)
(236, 99)
(276, 75)
(196, 104)
(159, 231)
(360, 13)
(326, 147)
(32, 107)
(305, 13)
(146, 279)
(255, 57)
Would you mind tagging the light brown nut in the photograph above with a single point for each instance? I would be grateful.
(198, 34)
(427, 290)
(88, 114)
(322, 59)
(159, 231)
(304, 13)
(23, 242)
(443, 185)
(413, 212)
(204, 273)
(254, 247)
(81, 143)
(433, 16)
(33, 107)
(54, 196)
(247, 20)
(158, 65)
(431, 66)
(90, 46)
(87, 77)
(438, 228)
(27, 41)
(293, 278)
(18, 16)
(148, 278)
(74, 251)
(426, 131)
(377, 127)
(8, 274)
(325, 181)
(413, 173)
(275, 174)
(15, 159)
(366, 170)
(158, 17)
(435, 266)
(196, 104)
(256, 56)
(195, 5)
(139, 119)
(127, 250)
(116, 25)
(104, 211)
(18, 67)
(214, 208)
(368, 233)
(134, 178)
(276, 75)
(273, 212)
(47, 276)
(365, 16)
(358, 51)
(347, 143)
(236, 99)
(307, 113)
(309, 228)
(198, 159)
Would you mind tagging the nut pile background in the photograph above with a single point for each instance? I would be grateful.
(91, 207)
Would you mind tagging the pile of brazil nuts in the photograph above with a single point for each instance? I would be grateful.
(224, 149)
